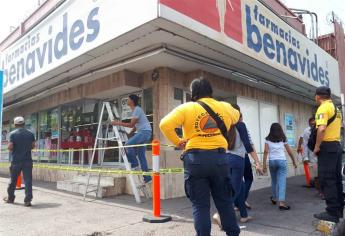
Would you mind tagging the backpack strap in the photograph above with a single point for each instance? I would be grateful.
(333, 117)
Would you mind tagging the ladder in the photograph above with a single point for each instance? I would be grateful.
(120, 135)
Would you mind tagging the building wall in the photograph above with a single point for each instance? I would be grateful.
(334, 44)
(163, 94)
(340, 52)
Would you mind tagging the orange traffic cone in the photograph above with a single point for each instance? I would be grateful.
(307, 175)
(19, 182)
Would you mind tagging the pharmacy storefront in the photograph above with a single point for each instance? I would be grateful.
(86, 52)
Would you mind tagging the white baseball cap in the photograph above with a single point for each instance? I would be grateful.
(19, 120)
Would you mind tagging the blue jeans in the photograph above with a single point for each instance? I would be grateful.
(207, 172)
(248, 177)
(15, 169)
(141, 137)
(278, 170)
(236, 173)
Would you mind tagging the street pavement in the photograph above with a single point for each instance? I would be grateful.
(60, 213)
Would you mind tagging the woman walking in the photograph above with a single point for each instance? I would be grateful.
(242, 146)
(275, 147)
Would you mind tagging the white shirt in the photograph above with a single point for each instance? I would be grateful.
(276, 151)
(305, 136)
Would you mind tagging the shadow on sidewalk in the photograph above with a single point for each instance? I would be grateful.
(268, 219)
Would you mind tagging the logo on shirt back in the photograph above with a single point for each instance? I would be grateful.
(206, 126)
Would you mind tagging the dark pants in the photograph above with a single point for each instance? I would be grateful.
(15, 170)
(330, 179)
(236, 173)
(248, 177)
(208, 172)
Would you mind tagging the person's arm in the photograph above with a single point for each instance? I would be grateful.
(255, 157)
(289, 151)
(265, 158)
(299, 147)
(10, 144)
(319, 137)
(242, 130)
(171, 121)
(137, 112)
(132, 131)
(33, 144)
(321, 119)
(130, 124)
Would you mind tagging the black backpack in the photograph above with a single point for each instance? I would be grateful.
(313, 132)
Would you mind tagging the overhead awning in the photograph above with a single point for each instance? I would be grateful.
(104, 37)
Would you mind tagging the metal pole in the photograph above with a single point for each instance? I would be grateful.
(317, 27)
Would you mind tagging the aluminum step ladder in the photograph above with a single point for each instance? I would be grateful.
(120, 135)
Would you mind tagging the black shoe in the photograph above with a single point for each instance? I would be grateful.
(273, 201)
(6, 200)
(27, 204)
(326, 217)
(284, 208)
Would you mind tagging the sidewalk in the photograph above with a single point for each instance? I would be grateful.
(58, 213)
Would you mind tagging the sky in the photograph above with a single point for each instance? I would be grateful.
(323, 9)
(12, 14)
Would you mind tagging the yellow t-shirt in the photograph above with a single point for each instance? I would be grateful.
(323, 114)
(198, 127)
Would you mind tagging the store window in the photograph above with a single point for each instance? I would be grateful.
(48, 135)
(5, 138)
(78, 131)
(31, 123)
(180, 97)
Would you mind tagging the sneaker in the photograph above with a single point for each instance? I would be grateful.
(326, 217)
(27, 204)
(246, 219)
(216, 220)
(248, 206)
(135, 168)
(6, 200)
(284, 208)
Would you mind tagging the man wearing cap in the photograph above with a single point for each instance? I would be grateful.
(22, 141)
(328, 149)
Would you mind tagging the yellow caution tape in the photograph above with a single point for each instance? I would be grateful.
(100, 170)
(5, 151)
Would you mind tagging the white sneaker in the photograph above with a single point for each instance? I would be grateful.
(245, 220)
(216, 220)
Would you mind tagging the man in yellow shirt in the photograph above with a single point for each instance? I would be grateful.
(205, 161)
(328, 149)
